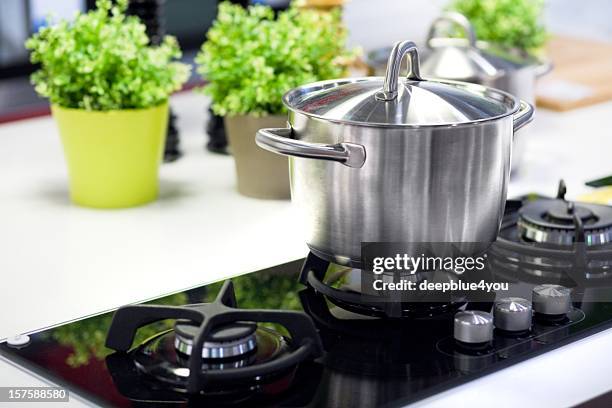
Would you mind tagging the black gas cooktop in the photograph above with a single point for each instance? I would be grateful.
(301, 334)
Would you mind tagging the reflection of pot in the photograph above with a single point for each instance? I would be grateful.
(408, 148)
(380, 360)
(479, 62)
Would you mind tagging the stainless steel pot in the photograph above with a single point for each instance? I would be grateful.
(386, 160)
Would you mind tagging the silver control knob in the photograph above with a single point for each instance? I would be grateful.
(551, 299)
(473, 326)
(512, 314)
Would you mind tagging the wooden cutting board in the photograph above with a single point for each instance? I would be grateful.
(582, 74)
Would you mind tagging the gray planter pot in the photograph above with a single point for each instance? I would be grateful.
(260, 174)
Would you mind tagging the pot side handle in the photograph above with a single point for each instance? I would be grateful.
(524, 115)
(278, 140)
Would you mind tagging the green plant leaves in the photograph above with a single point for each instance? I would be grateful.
(251, 59)
(509, 23)
(103, 61)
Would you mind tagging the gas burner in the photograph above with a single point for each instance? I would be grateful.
(228, 341)
(161, 360)
(561, 222)
(579, 257)
(352, 299)
(235, 349)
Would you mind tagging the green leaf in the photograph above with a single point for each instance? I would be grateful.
(509, 23)
(250, 59)
(103, 61)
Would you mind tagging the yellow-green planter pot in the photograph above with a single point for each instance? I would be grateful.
(113, 157)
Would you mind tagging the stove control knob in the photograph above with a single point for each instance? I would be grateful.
(551, 300)
(512, 314)
(473, 327)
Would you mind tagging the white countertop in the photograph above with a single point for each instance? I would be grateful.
(60, 262)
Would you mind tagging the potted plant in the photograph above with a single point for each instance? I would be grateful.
(108, 89)
(250, 59)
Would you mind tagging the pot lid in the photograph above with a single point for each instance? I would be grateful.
(405, 102)
(466, 59)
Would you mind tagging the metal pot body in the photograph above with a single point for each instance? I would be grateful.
(520, 83)
(440, 184)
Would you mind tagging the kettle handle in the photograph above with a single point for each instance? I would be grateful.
(278, 140)
(524, 115)
(457, 19)
(394, 64)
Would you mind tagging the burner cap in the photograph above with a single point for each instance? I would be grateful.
(231, 340)
(562, 214)
(553, 222)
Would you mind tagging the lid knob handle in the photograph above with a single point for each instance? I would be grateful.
(456, 19)
(394, 63)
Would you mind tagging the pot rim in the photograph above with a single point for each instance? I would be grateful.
(495, 93)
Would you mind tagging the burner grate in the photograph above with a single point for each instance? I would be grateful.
(312, 275)
(208, 320)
